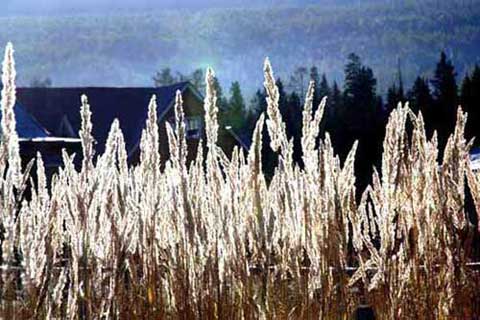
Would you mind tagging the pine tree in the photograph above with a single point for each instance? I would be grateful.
(467, 103)
(476, 87)
(324, 91)
(360, 117)
(222, 105)
(324, 88)
(474, 107)
(444, 83)
(258, 102)
(181, 77)
(315, 77)
(476, 79)
(163, 77)
(293, 115)
(298, 81)
(420, 97)
(293, 121)
(197, 79)
(282, 100)
(337, 98)
(221, 100)
(236, 113)
(359, 94)
(470, 102)
(395, 95)
(445, 97)
(400, 91)
(466, 94)
(392, 98)
(352, 73)
(333, 112)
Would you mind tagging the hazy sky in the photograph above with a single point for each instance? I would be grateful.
(74, 6)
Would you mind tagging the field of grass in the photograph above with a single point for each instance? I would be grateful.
(215, 240)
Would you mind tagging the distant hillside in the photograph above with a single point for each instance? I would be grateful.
(127, 48)
(107, 6)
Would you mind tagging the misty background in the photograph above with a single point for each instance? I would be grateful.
(124, 42)
(73, 6)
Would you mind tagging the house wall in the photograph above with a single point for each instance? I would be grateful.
(192, 107)
(52, 158)
(227, 142)
(51, 151)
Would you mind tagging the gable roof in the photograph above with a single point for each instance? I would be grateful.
(244, 139)
(27, 126)
(57, 108)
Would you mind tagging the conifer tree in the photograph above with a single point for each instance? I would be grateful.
(476, 88)
(325, 91)
(445, 97)
(282, 100)
(294, 111)
(395, 94)
(470, 101)
(236, 113)
(222, 105)
(391, 98)
(444, 83)
(293, 123)
(198, 80)
(323, 88)
(315, 77)
(258, 102)
(299, 81)
(337, 98)
(359, 93)
(334, 110)
(360, 116)
(420, 96)
(466, 93)
(222, 101)
(163, 77)
(401, 91)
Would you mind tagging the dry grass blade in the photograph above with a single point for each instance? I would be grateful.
(215, 240)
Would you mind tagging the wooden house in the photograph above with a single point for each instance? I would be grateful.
(58, 110)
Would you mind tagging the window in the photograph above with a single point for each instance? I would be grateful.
(194, 127)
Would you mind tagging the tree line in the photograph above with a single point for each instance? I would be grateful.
(354, 110)
(120, 49)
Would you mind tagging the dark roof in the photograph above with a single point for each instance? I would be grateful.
(244, 139)
(27, 126)
(129, 105)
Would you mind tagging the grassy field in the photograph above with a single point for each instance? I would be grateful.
(215, 240)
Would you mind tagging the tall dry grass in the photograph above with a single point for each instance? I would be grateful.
(214, 240)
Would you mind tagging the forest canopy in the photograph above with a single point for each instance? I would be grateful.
(126, 49)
